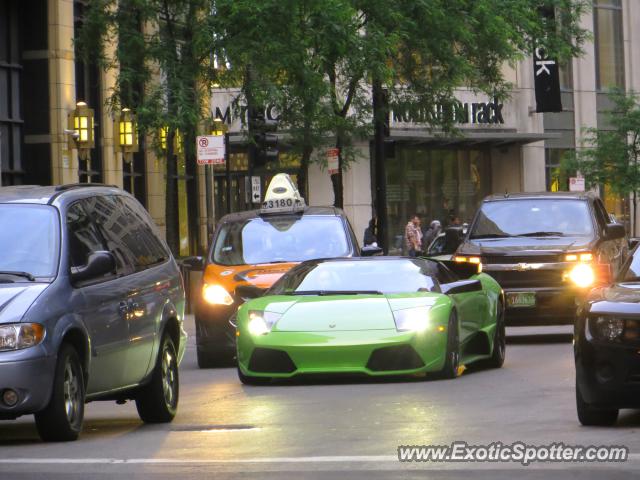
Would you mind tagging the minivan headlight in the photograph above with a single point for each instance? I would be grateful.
(20, 335)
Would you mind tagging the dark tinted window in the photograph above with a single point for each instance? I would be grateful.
(84, 238)
(129, 237)
(386, 276)
(142, 238)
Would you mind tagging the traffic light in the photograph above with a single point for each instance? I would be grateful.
(263, 137)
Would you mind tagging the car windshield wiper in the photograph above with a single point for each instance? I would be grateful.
(26, 275)
(491, 235)
(540, 234)
(336, 292)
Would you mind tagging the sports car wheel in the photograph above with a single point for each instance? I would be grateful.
(249, 380)
(590, 416)
(157, 402)
(61, 420)
(452, 355)
(499, 341)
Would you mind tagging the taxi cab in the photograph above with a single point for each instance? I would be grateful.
(251, 250)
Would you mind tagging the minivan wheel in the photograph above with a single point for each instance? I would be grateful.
(157, 402)
(61, 420)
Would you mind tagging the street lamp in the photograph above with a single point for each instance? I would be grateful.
(80, 121)
(127, 135)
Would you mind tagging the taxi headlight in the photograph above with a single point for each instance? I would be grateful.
(582, 275)
(216, 295)
(20, 335)
(608, 328)
(412, 319)
(261, 323)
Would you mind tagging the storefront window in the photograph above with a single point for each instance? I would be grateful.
(436, 184)
(557, 180)
(609, 43)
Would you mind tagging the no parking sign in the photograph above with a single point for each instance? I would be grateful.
(210, 149)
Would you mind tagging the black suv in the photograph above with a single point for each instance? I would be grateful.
(546, 250)
(91, 307)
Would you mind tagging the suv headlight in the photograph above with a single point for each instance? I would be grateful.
(20, 335)
(216, 295)
(261, 323)
(582, 275)
(412, 319)
(607, 328)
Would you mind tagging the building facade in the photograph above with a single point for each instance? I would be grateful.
(503, 146)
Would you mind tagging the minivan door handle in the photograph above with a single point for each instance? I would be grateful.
(123, 308)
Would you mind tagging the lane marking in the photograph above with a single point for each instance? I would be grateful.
(633, 457)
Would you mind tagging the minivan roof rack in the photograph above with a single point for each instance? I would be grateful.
(69, 186)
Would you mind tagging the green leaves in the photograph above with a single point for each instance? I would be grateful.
(611, 154)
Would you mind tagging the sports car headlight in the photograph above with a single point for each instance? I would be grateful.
(216, 295)
(20, 335)
(607, 328)
(582, 275)
(412, 319)
(261, 323)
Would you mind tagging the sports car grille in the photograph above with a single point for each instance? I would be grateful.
(527, 279)
(268, 360)
(402, 357)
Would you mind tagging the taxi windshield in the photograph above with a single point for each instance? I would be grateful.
(29, 239)
(281, 239)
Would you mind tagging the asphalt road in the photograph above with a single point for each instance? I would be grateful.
(334, 429)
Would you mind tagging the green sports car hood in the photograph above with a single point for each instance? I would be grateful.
(339, 312)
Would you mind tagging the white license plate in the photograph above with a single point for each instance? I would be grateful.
(521, 299)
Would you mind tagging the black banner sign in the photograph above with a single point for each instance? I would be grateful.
(547, 76)
(547, 80)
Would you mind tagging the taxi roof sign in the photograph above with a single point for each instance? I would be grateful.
(282, 196)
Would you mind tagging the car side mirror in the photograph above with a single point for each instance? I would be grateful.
(193, 263)
(462, 286)
(370, 251)
(615, 231)
(99, 263)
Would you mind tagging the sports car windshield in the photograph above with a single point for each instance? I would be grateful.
(533, 218)
(281, 239)
(29, 239)
(358, 276)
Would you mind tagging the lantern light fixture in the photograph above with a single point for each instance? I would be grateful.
(81, 122)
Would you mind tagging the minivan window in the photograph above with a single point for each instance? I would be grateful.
(281, 239)
(84, 238)
(533, 217)
(29, 239)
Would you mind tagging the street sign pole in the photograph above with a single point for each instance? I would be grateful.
(209, 199)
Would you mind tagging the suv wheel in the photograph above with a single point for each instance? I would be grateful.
(157, 402)
(591, 416)
(61, 420)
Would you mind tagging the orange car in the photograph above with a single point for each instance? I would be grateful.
(253, 249)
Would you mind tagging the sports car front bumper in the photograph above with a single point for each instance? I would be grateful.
(373, 352)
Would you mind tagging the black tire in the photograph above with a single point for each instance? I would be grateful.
(452, 355)
(249, 380)
(499, 341)
(214, 360)
(61, 420)
(157, 402)
(590, 416)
